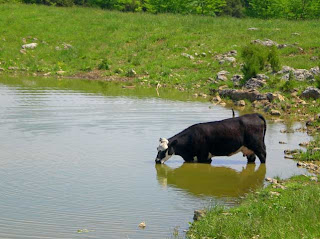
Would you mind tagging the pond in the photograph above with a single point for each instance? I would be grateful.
(77, 161)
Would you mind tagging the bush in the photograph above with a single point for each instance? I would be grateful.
(255, 58)
(289, 84)
(233, 8)
(61, 3)
(273, 59)
(104, 65)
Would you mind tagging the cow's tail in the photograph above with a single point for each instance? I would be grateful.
(265, 125)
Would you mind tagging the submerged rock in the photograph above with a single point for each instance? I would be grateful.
(142, 225)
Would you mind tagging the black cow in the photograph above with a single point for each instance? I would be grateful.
(201, 142)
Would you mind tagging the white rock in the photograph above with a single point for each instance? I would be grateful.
(30, 46)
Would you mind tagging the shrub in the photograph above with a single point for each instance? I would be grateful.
(289, 84)
(104, 65)
(255, 58)
(233, 8)
(61, 3)
(273, 59)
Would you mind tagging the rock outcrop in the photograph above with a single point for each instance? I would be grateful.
(311, 92)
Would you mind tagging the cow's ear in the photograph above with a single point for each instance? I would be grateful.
(174, 142)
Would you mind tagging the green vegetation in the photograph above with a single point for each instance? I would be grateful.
(256, 58)
(152, 45)
(289, 209)
(291, 9)
(312, 153)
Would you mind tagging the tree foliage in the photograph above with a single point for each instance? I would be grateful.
(290, 9)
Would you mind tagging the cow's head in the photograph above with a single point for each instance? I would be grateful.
(165, 150)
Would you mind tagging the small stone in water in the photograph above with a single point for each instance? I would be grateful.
(142, 225)
(83, 230)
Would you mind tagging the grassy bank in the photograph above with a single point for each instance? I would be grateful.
(152, 45)
(286, 209)
(97, 44)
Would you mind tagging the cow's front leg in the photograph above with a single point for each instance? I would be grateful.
(188, 159)
(204, 158)
(251, 158)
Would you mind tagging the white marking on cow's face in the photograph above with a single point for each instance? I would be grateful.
(163, 160)
(210, 156)
(163, 144)
(195, 159)
(163, 151)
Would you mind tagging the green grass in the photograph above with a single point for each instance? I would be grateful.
(313, 149)
(150, 44)
(294, 213)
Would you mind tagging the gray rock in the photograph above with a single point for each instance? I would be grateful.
(236, 79)
(30, 46)
(240, 103)
(227, 57)
(236, 95)
(286, 69)
(188, 56)
(266, 42)
(302, 74)
(222, 76)
(230, 59)
(315, 71)
(275, 96)
(311, 92)
(275, 112)
(1, 69)
(232, 53)
(67, 46)
(286, 77)
(13, 68)
(262, 77)
(198, 214)
(254, 83)
(253, 29)
(23, 51)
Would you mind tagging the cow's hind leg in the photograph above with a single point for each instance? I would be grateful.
(251, 158)
(260, 151)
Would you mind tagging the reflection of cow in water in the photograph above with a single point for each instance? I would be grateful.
(208, 180)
